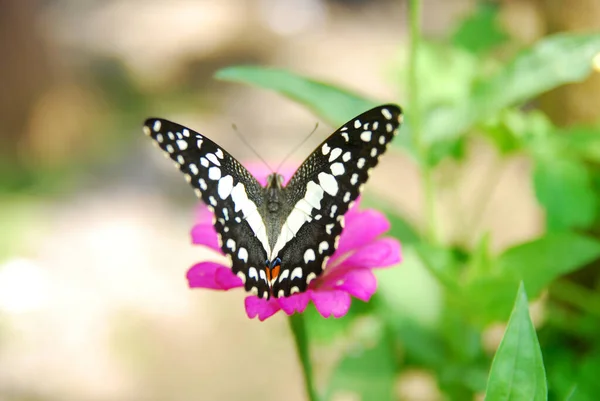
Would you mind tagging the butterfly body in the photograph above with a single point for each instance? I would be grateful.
(280, 236)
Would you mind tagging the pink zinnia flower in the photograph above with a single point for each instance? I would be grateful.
(348, 272)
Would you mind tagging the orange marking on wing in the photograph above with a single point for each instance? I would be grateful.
(268, 271)
(275, 272)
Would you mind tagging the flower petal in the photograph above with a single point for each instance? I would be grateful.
(361, 227)
(205, 234)
(360, 283)
(227, 280)
(204, 275)
(334, 302)
(262, 308)
(383, 252)
(294, 303)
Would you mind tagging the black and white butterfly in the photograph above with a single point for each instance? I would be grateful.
(280, 237)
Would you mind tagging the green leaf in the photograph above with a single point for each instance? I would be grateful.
(537, 263)
(481, 31)
(334, 104)
(552, 62)
(564, 187)
(517, 372)
(367, 371)
(488, 298)
(541, 261)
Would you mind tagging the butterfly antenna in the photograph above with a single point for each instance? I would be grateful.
(298, 146)
(235, 128)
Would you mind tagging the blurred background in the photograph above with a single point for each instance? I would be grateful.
(95, 223)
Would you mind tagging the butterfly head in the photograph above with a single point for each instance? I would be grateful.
(275, 181)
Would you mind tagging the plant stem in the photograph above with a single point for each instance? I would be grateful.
(416, 124)
(298, 328)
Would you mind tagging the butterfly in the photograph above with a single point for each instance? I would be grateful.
(280, 237)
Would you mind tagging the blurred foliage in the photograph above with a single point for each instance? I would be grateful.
(433, 313)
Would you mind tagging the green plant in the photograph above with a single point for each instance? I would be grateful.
(431, 313)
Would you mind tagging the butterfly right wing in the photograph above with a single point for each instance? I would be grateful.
(229, 191)
(323, 189)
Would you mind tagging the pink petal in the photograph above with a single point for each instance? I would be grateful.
(334, 302)
(203, 215)
(204, 275)
(294, 303)
(205, 234)
(262, 308)
(379, 253)
(360, 283)
(227, 280)
(361, 228)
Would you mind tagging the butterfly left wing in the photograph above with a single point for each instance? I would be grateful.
(229, 191)
(323, 189)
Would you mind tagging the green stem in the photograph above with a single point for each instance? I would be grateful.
(416, 123)
(298, 328)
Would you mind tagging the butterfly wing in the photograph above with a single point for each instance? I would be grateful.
(323, 189)
(229, 191)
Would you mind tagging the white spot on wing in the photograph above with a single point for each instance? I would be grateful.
(328, 183)
(335, 153)
(360, 163)
(182, 144)
(314, 194)
(309, 255)
(219, 153)
(325, 149)
(357, 123)
(323, 246)
(337, 169)
(193, 168)
(225, 186)
(386, 113)
(346, 156)
(213, 159)
(346, 137)
(242, 276)
(214, 173)
(296, 273)
(285, 274)
(202, 184)
(243, 254)
(311, 276)
(366, 136)
(230, 244)
(156, 126)
(252, 273)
